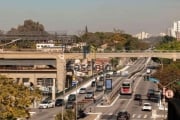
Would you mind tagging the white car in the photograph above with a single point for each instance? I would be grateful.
(147, 106)
(82, 91)
(47, 104)
(148, 71)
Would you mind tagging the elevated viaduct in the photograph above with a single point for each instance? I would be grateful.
(57, 61)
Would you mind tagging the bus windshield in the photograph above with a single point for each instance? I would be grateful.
(126, 84)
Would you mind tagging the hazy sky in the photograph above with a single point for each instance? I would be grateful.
(71, 16)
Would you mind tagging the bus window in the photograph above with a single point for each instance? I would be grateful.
(126, 87)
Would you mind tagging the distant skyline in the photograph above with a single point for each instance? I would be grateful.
(71, 16)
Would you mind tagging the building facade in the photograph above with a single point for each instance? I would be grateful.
(174, 31)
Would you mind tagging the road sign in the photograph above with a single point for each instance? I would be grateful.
(169, 93)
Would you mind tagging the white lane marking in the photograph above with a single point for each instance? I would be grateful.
(133, 116)
(139, 116)
(110, 114)
(145, 116)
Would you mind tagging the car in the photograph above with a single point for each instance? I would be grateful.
(148, 71)
(101, 78)
(89, 95)
(123, 115)
(99, 88)
(46, 104)
(93, 83)
(72, 97)
(81, 114)
(147, 107)
(137, 97)
(108, 75)
(82, 90)
(70, 105)
(59, 102)
(150, 93)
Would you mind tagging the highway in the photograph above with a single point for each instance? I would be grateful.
(122, 102)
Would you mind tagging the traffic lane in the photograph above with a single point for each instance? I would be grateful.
(110, 113)
(46, 114)
(134, 108)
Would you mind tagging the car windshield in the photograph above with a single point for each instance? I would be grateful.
(44, 102)
(69, 103)
(59, 100)
(147, 105)
(83, 89)
(122, 113)
(151, 90)
(89, 92)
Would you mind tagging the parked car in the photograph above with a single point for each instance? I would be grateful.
(47, 104)
(89, 95)
(59, 102)
(137, 97)
(70, 105)
(72, 97)
(82, 91)
(147, 106)
(123, 115)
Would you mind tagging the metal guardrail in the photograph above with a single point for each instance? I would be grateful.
(117, 51)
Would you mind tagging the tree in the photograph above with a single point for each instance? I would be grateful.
(15, 99)
(29, 27)
(68, 115)
(114, 62)
(168, 73)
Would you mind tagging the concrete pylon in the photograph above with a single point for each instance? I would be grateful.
(61, 73)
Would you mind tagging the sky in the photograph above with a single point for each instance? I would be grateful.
(71, 16)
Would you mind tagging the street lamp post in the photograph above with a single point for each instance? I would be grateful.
(76, 112)
(62, 108)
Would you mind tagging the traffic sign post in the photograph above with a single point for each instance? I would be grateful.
(169, 93)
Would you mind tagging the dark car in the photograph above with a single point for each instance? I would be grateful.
(123, 115)
(81, 114)
(150, 93)
(93, 83)
(101, 78)
(137, 97)
(108, 75)
(59, 102)
(72, 97)
(69, 105)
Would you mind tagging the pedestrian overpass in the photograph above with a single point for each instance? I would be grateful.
(59, 60)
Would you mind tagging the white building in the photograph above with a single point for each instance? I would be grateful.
(142, 35)
(162, 34)
(174, 31)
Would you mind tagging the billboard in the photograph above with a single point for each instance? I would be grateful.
(108, 84)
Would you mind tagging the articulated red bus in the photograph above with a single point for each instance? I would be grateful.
(126, 87)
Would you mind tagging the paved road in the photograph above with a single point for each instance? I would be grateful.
(122, 102)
